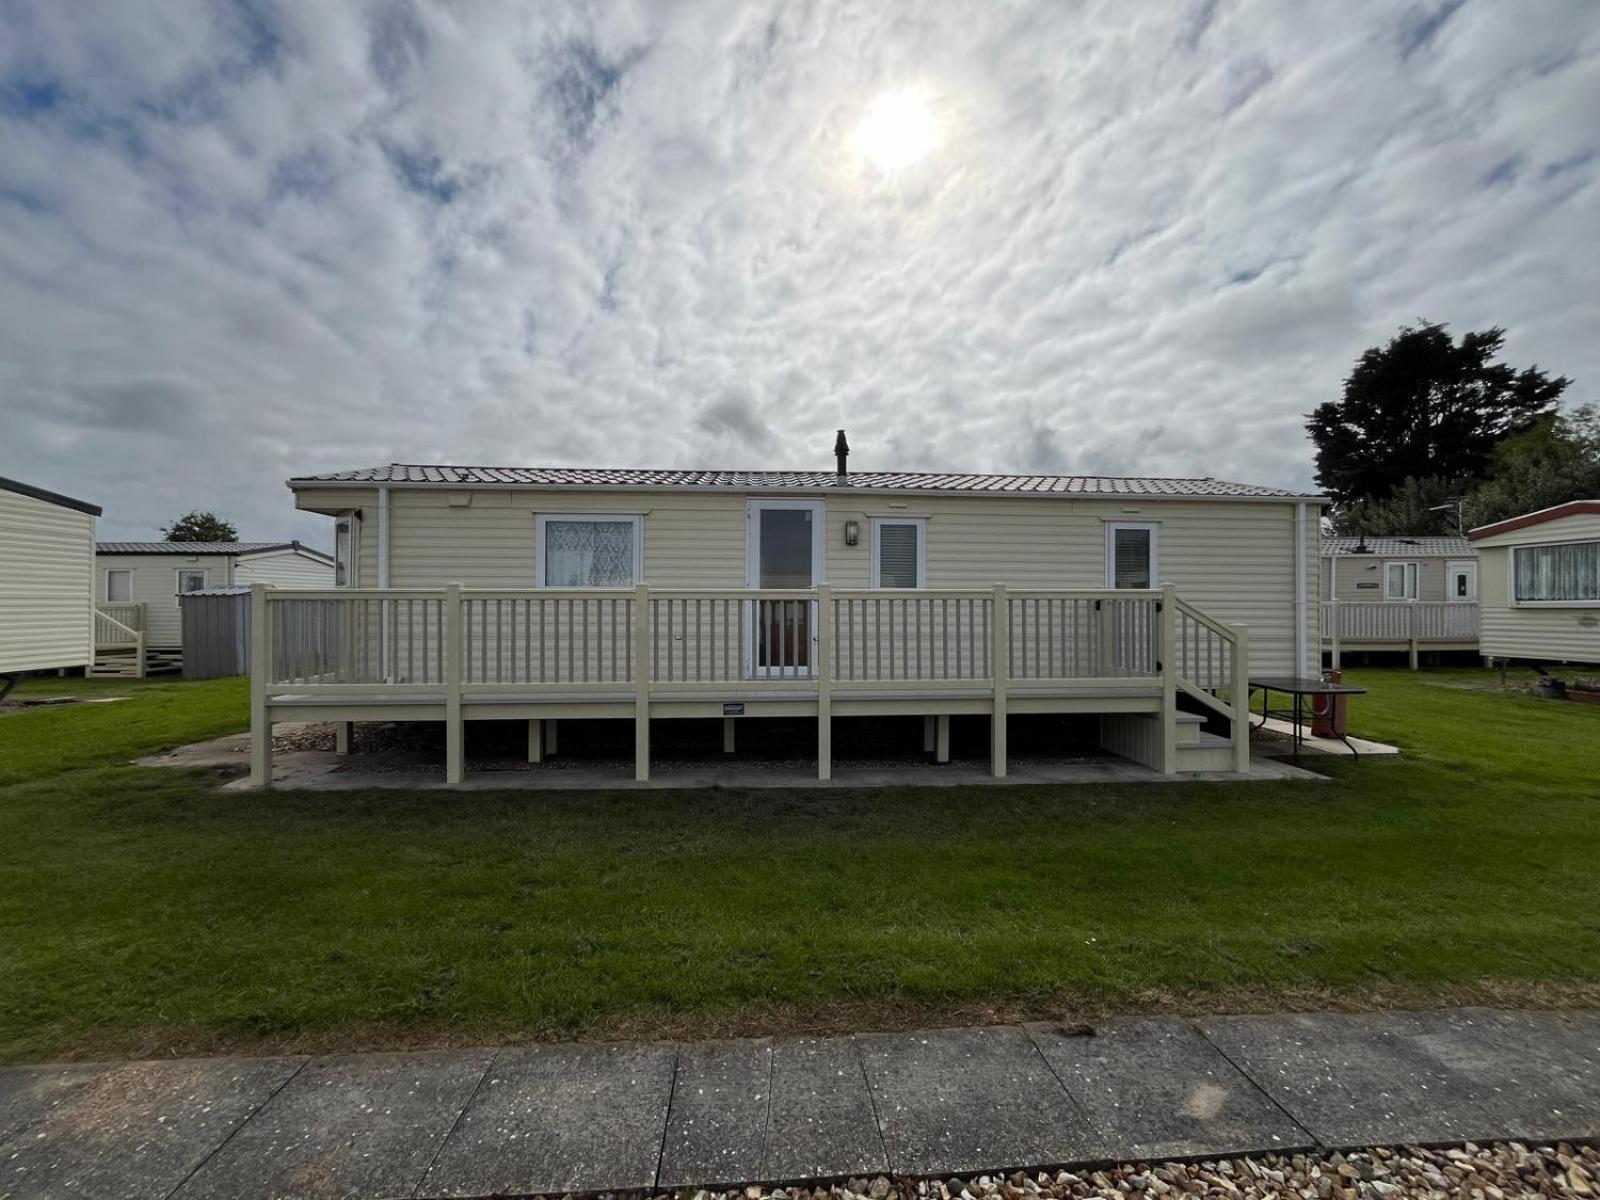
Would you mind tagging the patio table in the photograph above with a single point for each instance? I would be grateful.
(1300, 687)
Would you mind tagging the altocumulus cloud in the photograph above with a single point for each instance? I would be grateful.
(244, 240)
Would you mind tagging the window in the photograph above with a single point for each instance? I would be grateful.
(346, 536)
(1567, 573)
(1400, 581)
(191, 580)
(1461, 581)
(590, 551)
(897, 552)
(1131, 554)
(119, 587)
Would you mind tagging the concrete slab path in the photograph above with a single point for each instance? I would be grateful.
(576, 1118)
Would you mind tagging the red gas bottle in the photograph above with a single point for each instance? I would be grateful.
(1327, 712)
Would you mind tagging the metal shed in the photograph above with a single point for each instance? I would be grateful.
(216, 632)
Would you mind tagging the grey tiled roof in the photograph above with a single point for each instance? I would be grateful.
(914, 481)
(193, 547)
(1401, 547)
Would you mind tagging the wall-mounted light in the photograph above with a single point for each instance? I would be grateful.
(852, 532)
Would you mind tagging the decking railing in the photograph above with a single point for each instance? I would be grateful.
(121, 627)
(462, 644)
(1406, 624)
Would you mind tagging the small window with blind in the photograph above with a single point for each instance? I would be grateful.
(897, 552)
(1564, 573)
(1400, 581)
(119, 587)
(1131, 554)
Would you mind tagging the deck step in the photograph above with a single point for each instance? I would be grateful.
(1209, 752)
(1190, 728)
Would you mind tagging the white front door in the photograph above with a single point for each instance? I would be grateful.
(783, 550)
(1461, 581)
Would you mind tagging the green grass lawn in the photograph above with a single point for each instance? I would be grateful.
(142, 911)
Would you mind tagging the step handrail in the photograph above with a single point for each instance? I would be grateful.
(135, 642)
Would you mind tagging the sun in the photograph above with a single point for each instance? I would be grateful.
(898, 129)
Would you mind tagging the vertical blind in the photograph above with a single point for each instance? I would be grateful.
(1565, 572)
(897, 555)
(1130, 558)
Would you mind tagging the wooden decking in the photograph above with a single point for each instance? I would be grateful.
(454, 655)
(1409, 626)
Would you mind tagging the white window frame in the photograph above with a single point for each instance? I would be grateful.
(539, 554)
(350, 521)
(1511, 575)
(1454, 567)
(110, 571)
(177, 580)
(920, 524)
(1415, 578)
(1111, 551)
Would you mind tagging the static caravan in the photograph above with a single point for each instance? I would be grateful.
(46, 580)
(1405, 594)
(1541, 585)
(544, 593)
(137, 585)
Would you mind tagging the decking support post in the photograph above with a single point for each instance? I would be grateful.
(641, 683)
(260, 672)
(727, 735)
(454, 750)
(1169, 679)
(928, 735)
(139, 665)
(341, 736)
(535, 740)
(941, 739)
(1337, 620)
(1411, 629)
(1001, 667)
(1239, 687)
(824, 661)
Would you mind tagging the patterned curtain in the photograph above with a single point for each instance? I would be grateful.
(1566, 572)
(588, 553)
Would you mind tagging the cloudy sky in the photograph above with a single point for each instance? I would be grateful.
(241, 241)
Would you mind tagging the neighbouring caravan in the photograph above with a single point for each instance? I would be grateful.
(46, 580)
(138, 585)
(1541, 585)
(527, 593)
(1408, 595)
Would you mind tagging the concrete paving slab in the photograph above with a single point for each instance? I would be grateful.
(364, 1126)
(560, 1119)
(958, 1101)
(821, 1123)
(1157, 1089)
(29, 1094)
(717, 1130)
(1536, 1074)
(1350, 1079)
(138, 1129)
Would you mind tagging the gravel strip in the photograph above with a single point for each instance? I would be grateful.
(1491, 1171)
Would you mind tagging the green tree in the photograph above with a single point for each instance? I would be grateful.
(1556, 460)
(1424, 407)
(200, 527)
(1418, 508)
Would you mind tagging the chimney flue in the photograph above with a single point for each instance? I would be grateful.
(841, 451)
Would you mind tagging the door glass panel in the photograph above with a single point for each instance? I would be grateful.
(784, 561)
(785, 547)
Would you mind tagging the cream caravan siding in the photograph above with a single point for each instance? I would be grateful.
(46, 573)
(1539, 632)
(1234, 559)
(155, 585)
(1355, 569)
(284, 569)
